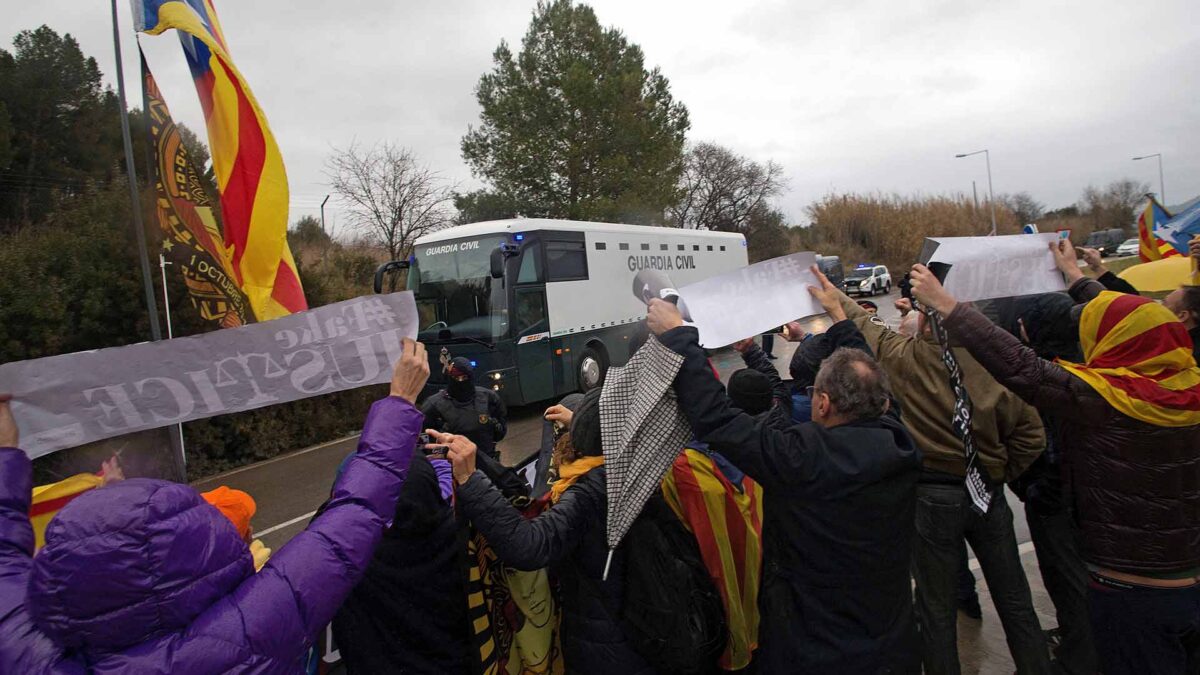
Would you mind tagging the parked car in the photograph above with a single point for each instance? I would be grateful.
(1106, 241)
(831, 267)
(1129, 247)
(868, 279)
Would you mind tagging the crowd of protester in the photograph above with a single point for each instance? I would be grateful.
(813, 526)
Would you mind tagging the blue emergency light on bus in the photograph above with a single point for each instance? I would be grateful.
(519, 237)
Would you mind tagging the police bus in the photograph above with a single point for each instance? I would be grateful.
(542, 307)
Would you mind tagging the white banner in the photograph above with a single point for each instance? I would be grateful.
(983, 268)
(752, 300)
(68, 400)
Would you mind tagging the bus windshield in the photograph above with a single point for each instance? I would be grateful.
(456, 296)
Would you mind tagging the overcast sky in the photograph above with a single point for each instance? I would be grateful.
(860, 95)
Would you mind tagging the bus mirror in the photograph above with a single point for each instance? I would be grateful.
(497, 263)
(384, 269)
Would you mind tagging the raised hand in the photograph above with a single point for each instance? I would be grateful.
(929, 291)
(459, 450)
(662, 316)
(411, 372)
(1066, 260)
(9, 436)
(828, 295)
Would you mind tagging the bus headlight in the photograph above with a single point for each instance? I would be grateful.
(496, 376)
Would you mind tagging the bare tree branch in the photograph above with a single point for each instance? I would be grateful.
(721, 190)
(391, 198)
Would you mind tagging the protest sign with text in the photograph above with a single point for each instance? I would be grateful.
(65, 401)
(982, 268)
(752, 299)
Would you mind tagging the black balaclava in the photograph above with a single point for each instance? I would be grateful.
(460, 379)
(750, 390)
(585, 425)
(806, 360)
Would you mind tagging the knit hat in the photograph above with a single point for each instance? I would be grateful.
(750, 390)
(235, 505)
(806, 360)
(585, 425)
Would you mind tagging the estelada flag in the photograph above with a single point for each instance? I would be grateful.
(193, 239)
(246, 160)
(1150, 245)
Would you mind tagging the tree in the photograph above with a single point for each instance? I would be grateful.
(63, 137)
(481, 205)
(1114, 206)
(308, 232)
(392, 199)
(575, 126)
(766, 234)
(1026, 208)
(722, 190)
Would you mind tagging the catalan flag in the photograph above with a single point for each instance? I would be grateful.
(1138, 356)
(1151, 246)
(726, 519)
(246, 160)
(48, 500)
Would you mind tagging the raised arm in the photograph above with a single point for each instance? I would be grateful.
(761, 449)
(755, 358)
(306, 581)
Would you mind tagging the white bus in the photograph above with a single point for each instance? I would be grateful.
(544, 307)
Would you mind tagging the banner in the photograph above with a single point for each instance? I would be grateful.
(246, 160)
(751, 300)
(983, 268)
(68, 400)
(193, 241)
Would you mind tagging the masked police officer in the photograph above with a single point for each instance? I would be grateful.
(462, 408)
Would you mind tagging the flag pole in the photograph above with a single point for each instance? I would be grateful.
(135, 202)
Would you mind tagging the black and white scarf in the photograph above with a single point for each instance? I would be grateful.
(978, 484)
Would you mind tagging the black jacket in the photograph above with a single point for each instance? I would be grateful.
(839, 509)
(409, 612)
(1115, 283)
(484, 419)
(569, 538)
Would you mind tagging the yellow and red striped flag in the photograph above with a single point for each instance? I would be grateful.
(1151, 246)
(48, 500)
(726, 520)
(246, 160)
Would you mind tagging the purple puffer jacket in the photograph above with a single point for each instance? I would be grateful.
(144, 576)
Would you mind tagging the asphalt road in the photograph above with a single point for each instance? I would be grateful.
(289, 488)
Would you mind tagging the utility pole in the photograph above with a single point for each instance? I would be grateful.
(1162, 190)
(991, 195)
(162, 265)
(323, 214)
(135, 202)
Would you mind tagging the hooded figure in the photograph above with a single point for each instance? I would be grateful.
(144, 576)
(465, 409)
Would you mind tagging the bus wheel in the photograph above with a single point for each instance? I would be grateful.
(591, 370)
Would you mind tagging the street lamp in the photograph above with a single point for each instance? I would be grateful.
(991, 195)
(1162, 191)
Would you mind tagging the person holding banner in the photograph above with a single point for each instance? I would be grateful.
(1129, 417)
(839, 500)
(145, 576)
(1007, 437)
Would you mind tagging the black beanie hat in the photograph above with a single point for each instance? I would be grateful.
(750, 390)
(806, 360)
(585, 425)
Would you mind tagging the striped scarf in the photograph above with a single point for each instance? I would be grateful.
(726, 519)
(1138, 356)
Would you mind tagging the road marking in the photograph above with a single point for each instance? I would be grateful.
(280, 458)
(293, 521)
(1021, 550)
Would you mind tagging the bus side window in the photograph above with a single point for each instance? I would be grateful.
(531, 265)
(566, 261)
(531, 311)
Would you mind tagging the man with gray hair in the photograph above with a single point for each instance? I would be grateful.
(839, 501)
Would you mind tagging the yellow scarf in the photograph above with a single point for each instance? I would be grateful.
(570, 472)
